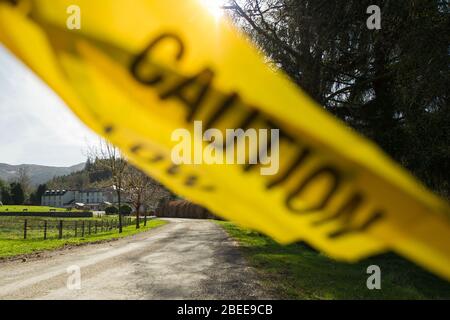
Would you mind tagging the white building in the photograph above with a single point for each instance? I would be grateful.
(92, 199)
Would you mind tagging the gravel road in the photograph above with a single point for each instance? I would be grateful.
(185, 259)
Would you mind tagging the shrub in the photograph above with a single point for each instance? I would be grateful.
(111, 210)
(125, 210)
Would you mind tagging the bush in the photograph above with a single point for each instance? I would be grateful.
(125, 210)
(111, 210)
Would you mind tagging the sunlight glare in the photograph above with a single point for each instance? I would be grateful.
(214, 7)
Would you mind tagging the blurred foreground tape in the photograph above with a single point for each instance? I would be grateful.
(135, 73)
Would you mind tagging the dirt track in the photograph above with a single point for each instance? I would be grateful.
(185, 259)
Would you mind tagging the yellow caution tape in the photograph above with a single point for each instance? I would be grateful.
(135, 72)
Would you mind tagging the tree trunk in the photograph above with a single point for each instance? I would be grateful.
(120, 214)
(138, 225)
(382, 120)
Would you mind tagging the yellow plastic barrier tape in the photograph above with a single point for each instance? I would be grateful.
(136, 72)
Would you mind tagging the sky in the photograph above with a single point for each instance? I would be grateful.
(36, 127)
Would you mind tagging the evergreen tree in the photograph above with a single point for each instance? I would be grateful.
(389, 84)
(17, 194)
(5, 196)
(35, 197)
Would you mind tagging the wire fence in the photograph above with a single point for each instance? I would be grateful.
(13, 228)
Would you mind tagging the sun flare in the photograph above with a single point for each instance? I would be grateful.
(214, 7)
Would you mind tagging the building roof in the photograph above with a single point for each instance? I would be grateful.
(62, 192)
(55, 192)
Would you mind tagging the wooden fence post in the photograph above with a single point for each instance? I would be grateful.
(145, 220)
(89, 227)
(82, 229)
(60, 229)
(45, 230)
(25, 225)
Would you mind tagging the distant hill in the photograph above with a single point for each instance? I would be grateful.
(38, 174)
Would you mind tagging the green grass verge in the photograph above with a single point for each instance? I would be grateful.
(10, 248)
(298, 272)
(30, 209)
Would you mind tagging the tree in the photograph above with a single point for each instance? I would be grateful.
(141, 190)
(35, 197)
(88, 166)
(17, 194)
(109, 157)
(389, 84)
(5, 195)
(23, 178)
(76, 180)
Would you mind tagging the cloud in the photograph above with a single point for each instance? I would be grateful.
(35, 125)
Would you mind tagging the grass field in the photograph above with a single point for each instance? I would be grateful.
(298, 272)
(14, 247)
(12, 228)
(8, 208)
